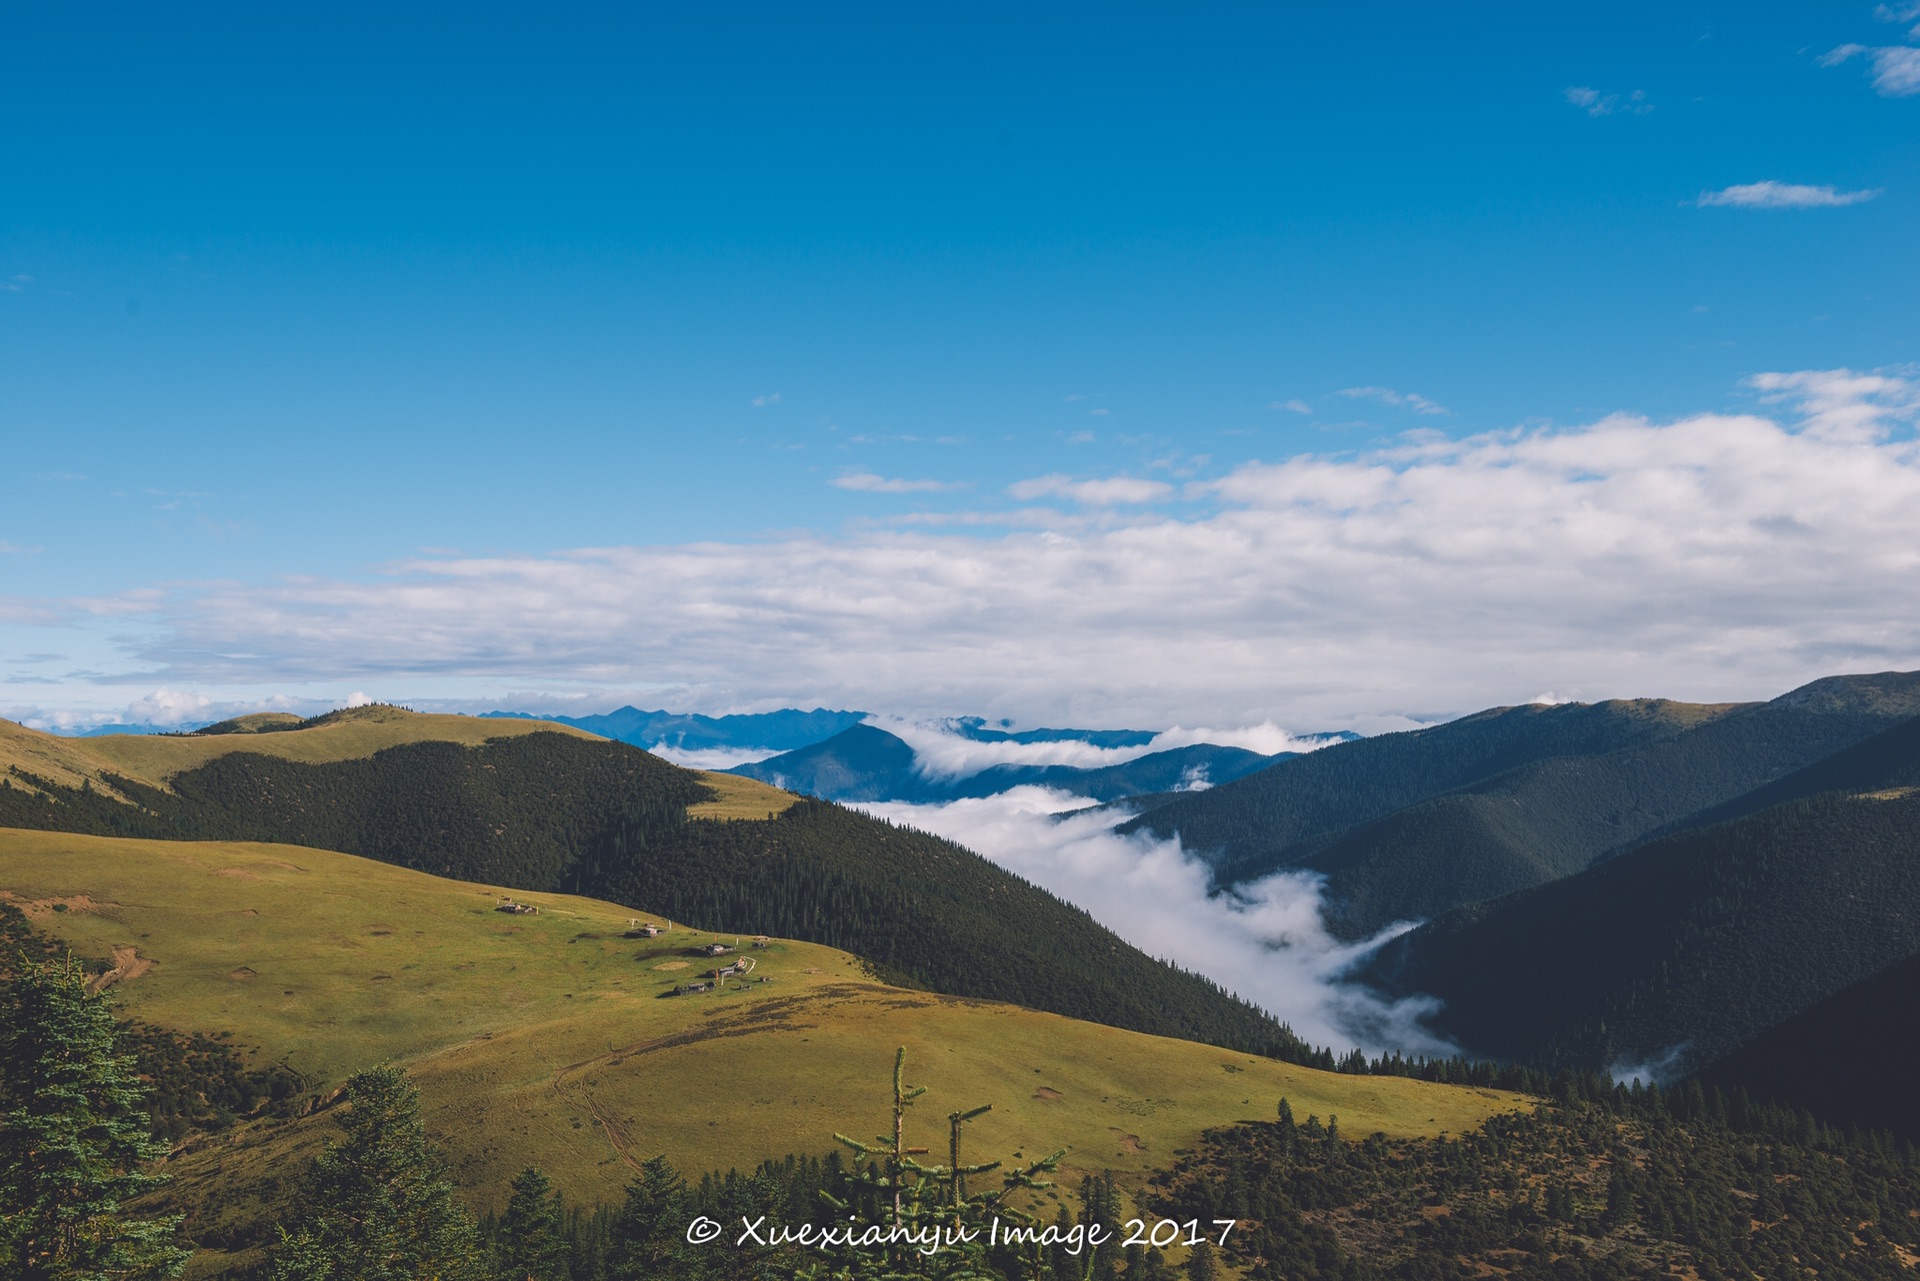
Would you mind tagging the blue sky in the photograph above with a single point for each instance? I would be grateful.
(300, 302)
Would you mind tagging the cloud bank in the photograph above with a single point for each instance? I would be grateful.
(1267, 945)
(1716, 556)
(941, 753)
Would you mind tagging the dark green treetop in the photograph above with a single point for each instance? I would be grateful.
(379, 1206)
(73, 1136)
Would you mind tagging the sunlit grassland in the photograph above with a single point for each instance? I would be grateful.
(155, 758)
(545, 1039)
(737, 797)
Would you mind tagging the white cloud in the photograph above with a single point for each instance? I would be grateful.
(867, 482)
(1295, 406)
(1265, 738)
(1266, 943)
(710, 758)
(939, 752)
(169, 707)
(1840, 404)
(1397, 399)
(1595, 103)
(1093, 493)
(761, 402)
(1782, 195)
(942, 753)
(1716, 556)
(1895, 68)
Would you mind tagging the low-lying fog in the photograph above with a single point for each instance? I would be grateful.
(1265, 942)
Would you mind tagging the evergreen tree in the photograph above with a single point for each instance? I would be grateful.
(1620, 1205)
(72, 1138)
(532, 1243)
(379, 1207)
(1202, 1265)
(648, 1240)
(1153, 1267)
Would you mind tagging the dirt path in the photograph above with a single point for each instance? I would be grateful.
(128, 965)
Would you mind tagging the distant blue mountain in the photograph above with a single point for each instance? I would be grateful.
(977, 729)
(780, 731)
(138, 727)
(836, 754)
(865, 763)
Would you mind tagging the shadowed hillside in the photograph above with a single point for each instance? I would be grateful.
(1407, 826)
(1681, 950)
(1850, 1059)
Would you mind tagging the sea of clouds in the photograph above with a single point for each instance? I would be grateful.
(1265, 942)
(940, 752)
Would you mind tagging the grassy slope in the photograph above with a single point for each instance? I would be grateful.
(541, 1039)
(155, 758)
(737, 798)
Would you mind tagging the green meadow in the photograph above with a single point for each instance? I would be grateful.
(550, 1039)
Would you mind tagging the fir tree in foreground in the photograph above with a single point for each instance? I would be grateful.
(648, 1240)
(72, 1137)
(531, 1244)
(379, 1206)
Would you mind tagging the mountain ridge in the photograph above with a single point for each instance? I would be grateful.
(867, 763)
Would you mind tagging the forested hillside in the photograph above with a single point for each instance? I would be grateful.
(1605, 1184)
(1884, 761)
(1678, 951)
(1851, 1058)
(553, 811)
(1408, 826)
(924, 910)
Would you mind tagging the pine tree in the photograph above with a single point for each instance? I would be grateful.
(648, 1244)
(915, 1196)
(379, 1207)
(532, 1243)
(1620, 1205)
(1202, 1265)
(72, 1138)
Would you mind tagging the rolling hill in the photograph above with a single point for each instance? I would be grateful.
(549, 810)
(548, 1038)
(1407, 826)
